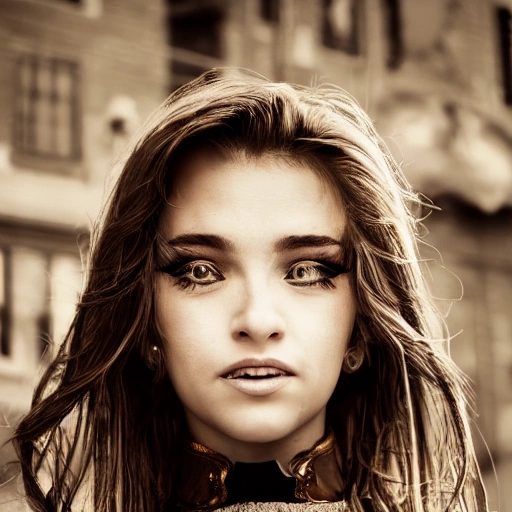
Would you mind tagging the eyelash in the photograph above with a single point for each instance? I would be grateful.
(182, 270)
(327, 272)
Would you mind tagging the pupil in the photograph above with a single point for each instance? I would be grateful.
(301, 272)
(200, 271)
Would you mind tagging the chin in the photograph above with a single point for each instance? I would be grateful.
(264, 427)
(262, 434)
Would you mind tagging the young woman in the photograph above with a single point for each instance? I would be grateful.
(255, 326)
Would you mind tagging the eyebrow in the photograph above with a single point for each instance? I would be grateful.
(288, 243)
(213, 241)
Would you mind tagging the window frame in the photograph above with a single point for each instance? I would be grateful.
(49, 241)
(27, 155)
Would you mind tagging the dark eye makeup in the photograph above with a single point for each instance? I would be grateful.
(314, 273)
(192, 271)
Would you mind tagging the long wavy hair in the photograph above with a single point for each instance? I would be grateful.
(105, 416)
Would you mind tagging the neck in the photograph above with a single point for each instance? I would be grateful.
(282, 449)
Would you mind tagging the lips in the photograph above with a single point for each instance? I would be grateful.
(256, 373)
(258, 379)
(257, 369)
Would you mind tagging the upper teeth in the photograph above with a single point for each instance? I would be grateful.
(260, 371)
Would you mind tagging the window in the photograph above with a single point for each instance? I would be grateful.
(394, 33)
(340, 25)
(269, 10)
(46, 119)
(198, 30)
(40, 279)
(503, 18)
(195, 32)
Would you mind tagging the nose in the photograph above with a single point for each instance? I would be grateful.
(257, 316)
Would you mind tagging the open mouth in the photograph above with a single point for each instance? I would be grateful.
(259, 378)
(260, 372)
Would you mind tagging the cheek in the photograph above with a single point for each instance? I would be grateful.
(172, 321)
(328, 334)
(187, 332)
(327, 355)
(329, 323)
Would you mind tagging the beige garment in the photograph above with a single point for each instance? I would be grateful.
(339, 506)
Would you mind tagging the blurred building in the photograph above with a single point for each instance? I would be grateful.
(436, 77)
(77, 76)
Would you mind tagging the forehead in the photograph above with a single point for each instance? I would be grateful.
(212, 192)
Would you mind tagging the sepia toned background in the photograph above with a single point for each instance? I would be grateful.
(78, 77)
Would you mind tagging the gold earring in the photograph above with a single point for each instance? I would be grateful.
(353, 360)
(153, 358)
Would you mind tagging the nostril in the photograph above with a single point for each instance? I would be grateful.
(272, 336)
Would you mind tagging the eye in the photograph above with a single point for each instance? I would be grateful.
(313, 273)
(194, 273)
(304, 272)
(201, 273)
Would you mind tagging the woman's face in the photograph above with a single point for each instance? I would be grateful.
(254, 302)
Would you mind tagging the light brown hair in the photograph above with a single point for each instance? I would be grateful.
(400, 419)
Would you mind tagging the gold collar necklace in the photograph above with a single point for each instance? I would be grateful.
(204, 474)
